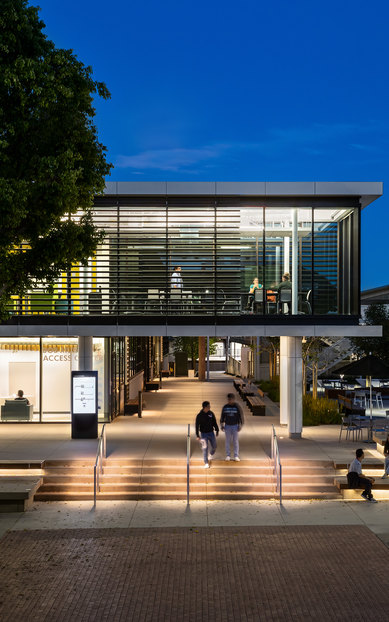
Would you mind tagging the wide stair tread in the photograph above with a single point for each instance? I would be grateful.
(163, 479)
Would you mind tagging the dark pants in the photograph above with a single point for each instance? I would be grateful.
(355, 481)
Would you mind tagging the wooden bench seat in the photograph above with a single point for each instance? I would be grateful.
(238, 384)
(256, 405)
(246, 392)
(134, 406)
(152, 385)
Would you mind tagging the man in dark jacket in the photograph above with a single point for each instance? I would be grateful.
(205, 425)
(231, 422)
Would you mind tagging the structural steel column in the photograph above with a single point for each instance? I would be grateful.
(85, 353)
(291, 388)
(201, 358)
(294, 261)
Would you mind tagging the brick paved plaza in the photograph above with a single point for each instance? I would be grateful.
(226, 573)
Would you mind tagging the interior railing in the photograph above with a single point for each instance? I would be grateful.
(277, 467)
(98, 467)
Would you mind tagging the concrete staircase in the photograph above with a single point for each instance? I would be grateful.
(339, 349)
(163, 479)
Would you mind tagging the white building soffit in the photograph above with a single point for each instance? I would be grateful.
(191, 331)
(368, 191)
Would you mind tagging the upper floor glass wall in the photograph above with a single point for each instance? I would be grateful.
(200, 258)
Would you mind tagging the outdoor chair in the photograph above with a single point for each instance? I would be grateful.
(377, 397)
(360, 399)
(350, 426)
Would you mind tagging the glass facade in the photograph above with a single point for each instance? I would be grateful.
(41, 368)
(193, 257)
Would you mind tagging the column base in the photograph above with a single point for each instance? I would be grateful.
(294, 434)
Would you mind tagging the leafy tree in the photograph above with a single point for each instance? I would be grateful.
(190, 345)
(311, 350)
(51, 162)
(376, 314)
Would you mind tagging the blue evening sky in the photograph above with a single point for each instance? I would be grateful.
(288, 90)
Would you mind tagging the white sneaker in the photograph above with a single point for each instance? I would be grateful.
(206, 466)
(237, 459)
(210, 457)
(228, 458)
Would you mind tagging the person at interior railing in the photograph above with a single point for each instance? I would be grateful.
(286, 284)
(176, 279)
(251, 297)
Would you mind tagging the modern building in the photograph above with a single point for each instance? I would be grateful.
(178, 259)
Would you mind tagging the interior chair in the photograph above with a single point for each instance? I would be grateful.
(175, 300)
(307, 307)
(284, 297)
(16, 410)
(258, 300)
(153, 302)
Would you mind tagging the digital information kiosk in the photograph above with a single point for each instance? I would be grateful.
(84, 404)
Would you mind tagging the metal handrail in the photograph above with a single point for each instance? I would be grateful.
(187, 464)
(98, 467)
(277, 466)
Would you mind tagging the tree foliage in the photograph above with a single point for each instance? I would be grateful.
(190, 345)
(376, 314)
(51, 162)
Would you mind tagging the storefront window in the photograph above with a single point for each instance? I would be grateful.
(19, 369)
(21, 360)
(59, 359)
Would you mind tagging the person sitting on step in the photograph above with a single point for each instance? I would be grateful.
(356, 479)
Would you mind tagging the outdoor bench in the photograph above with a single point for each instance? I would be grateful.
(341, 484)
(256, 405)
(152, 385)
(134, 406)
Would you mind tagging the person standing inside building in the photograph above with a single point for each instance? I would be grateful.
(205, 425)
(231, 422)
(20, 396)
(356, 479)
(176, 280)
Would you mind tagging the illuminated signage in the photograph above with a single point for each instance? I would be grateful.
(84, 393)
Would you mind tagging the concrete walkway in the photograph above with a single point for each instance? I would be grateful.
(161, 433)
(137, 514)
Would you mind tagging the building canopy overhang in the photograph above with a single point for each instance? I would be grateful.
(192, 330)
(367, 192)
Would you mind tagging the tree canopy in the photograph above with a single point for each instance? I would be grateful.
(376, 314)
(51, 161)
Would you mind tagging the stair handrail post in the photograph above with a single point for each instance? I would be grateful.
(277, 467)
(187, 464)
(98, 466)
(94, 485)
(104, 441)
